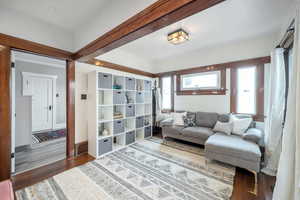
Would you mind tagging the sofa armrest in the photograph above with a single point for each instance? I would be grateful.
(166, 122)
(255, 135)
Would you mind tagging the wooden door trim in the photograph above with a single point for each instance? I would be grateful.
(158, 15)
(33, 47)
(5, 113)
(70, 108)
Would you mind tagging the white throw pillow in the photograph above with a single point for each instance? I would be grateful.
(223, 127)
(178, 118)
(240, 125)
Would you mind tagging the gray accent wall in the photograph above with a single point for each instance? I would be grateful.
(23, 103)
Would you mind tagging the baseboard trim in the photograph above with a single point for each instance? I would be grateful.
(60, 126)
(81, 148)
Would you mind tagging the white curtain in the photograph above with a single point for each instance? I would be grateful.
(288, 184)
(275, 111)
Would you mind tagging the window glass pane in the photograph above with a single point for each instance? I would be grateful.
(206, 80)
(246, 90)
(166, 93)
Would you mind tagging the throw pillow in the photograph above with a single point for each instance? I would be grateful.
(240, 125)
(223, 127)
(189, 120)
(253, 135)
(178, 118)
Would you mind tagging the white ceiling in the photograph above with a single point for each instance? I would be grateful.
(232, 20)
(67, 14)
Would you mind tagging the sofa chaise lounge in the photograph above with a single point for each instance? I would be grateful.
(231, 149)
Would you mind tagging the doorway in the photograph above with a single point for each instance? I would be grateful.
(39, 104)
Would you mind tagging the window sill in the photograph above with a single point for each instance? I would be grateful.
(201, 92)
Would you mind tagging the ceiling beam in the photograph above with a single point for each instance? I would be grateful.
(33, 47)
(158, 15)
(102, 63)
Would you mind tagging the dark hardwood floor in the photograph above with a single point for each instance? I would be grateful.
(243, 182)
(36, 175)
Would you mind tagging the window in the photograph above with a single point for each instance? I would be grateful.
(166, 88)
(200, 81)
(246, 90)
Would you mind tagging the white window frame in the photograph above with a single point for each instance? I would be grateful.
(201, 74)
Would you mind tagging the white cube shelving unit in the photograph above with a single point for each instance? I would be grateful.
(115, 105)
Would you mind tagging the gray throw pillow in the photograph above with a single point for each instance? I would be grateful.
(224, 118)
(253, 135)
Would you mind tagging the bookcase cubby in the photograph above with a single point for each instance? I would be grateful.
(119, 110)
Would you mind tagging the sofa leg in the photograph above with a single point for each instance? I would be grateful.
(254, 191)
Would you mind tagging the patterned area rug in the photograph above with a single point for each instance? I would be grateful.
(47, 136)
(147, 170)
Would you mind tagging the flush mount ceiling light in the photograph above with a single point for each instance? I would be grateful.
(178, 36)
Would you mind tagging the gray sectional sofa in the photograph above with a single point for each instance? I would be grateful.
(232, 149)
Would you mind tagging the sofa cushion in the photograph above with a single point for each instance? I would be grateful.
(233, 146)
(206, 119)
(224, 118)
(172, 130)
(197, 132)
(254, 135)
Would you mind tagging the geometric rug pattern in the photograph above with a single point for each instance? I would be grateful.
(147, 170)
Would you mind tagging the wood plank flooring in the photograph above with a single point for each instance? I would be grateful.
(40, 155)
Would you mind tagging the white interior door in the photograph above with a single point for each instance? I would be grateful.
(42, 103)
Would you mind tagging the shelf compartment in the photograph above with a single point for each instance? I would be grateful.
(104, 146)
(119, 112)
(118, 97)
(130, 137)
(130, 83)
(119, 126)
(118, 142)
(147, 120)
(139, 134)
(130, 97)
(139, 85)
(139, 109)
(129, 124)
(130, 110)
(148, 131)
(139, 122)
(118, 82)
(104, 80)
(140, 97)
(105, 97)
(148, 109)
(107, 127)
(147, 85)
(105, 113)
(147, 97)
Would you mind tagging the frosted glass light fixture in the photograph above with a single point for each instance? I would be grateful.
(178, 36)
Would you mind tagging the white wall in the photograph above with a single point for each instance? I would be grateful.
(81, 87)
(236, 50)
(25, 27)
(112, 14)
(127, 59)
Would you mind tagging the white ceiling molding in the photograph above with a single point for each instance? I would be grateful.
(36, 59)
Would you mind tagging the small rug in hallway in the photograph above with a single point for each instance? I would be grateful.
(48, 135)
(146, 170)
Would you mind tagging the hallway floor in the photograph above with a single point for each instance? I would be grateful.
(40, 155)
